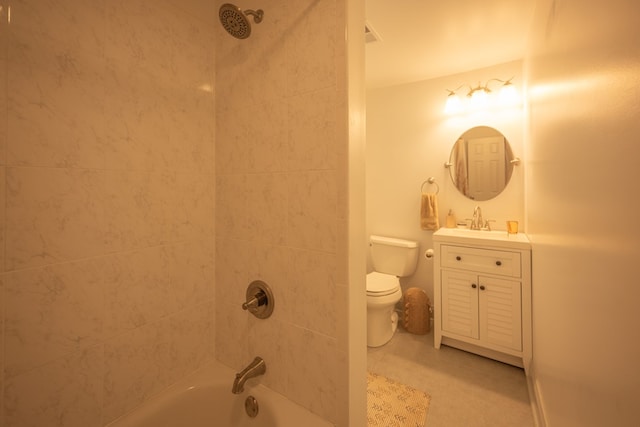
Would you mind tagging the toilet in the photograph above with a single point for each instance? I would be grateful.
(392, 258)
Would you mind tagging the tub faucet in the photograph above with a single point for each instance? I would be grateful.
(255, 368)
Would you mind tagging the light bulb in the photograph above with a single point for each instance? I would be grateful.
(508, 94)
(479, 99)
(453, 104)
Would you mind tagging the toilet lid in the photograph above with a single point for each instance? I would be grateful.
(381, 284)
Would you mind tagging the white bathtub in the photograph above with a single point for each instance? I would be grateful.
(204, 399)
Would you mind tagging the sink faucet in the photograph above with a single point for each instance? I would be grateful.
(255, 368)
(477, 223)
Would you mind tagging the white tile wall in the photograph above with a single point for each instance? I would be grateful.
(281, 149)
(107, 158)
(115, 188)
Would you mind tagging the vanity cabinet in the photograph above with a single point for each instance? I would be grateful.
(482, 293)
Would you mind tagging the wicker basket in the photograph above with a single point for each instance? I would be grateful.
(416, 311)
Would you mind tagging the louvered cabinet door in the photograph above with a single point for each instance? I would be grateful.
(460, 303)
(500, 311)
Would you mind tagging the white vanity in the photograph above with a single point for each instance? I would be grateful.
(482, 293)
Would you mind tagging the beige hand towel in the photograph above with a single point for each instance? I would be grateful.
(429, 212)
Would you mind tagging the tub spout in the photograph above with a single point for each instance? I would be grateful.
(255, 368)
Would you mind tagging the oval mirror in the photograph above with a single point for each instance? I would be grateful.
(481, 163)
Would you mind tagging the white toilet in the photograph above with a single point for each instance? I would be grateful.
(392, 258)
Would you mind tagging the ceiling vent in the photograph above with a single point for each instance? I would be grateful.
(370, 35)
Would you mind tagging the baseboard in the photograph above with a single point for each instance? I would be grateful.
(482, 351)
(535, 398)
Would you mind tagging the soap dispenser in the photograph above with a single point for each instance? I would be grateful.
(451, 219)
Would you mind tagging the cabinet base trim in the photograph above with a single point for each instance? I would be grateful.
(491, 354)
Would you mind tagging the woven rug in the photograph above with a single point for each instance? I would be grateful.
(391, 404)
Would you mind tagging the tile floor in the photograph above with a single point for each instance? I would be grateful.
(466, 389)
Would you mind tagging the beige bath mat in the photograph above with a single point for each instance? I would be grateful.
(391, 404)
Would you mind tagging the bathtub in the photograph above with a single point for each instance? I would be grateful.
(204, 399)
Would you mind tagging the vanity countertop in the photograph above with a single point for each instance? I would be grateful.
(494, 238)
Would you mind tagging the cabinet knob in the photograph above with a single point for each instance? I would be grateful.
(482, 287)
(473, 285)
(498, 263)
(458, 258)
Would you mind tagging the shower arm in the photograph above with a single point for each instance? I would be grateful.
(257, 15)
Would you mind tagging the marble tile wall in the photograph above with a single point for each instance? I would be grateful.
(281, 162)
(107, 206)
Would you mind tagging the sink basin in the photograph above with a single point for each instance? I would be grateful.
(497, 238)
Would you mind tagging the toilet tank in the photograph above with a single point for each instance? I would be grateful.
(393, 256)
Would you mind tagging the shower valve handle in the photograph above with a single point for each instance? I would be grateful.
(259, 299)
(252, 305)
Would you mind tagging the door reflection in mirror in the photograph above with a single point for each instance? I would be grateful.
(480, 163)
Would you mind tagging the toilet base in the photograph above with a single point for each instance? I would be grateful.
(383, 332)
(382, 319)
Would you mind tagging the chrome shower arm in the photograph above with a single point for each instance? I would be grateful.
(257, 15)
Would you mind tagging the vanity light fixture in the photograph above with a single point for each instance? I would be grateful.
(478, 97)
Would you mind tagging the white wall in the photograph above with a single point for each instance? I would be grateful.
(355, 396)
(409, 139)
(583, 183)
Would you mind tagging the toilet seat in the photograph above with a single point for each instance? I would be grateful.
(381, 284)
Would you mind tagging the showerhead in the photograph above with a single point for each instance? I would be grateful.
(235, 21)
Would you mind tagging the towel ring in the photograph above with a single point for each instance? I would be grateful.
(431, 180)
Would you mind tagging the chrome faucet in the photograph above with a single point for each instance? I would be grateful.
(477, 223)
(255, 368)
